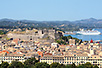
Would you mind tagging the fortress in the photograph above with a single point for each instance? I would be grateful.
(34, 34)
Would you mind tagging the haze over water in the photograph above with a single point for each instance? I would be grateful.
(88, 37)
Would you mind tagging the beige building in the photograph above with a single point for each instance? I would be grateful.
(69, 59)
(12, 57)
(71, 41)
(53, 45)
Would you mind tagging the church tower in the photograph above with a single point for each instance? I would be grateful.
(91, 47)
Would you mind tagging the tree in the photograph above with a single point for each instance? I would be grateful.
(41, 65)
(81, 66)
(80, 41)
(88, 65)
(4, 65)
(54, 65)
(96, 66)
(16, 64)
(73, 66)
(60, 66)
(58, 41)
(64, 40)
(1, 32)
(69, 37)
(30, 62)
(68, 66)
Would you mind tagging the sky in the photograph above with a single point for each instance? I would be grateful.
(50, 10)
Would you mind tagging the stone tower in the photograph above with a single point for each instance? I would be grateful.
(91, 47)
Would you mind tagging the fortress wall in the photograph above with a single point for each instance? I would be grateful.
(33, 35)
(25, 37)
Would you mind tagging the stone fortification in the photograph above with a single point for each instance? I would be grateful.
(33, 34)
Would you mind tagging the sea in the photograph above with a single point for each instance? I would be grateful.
(88, 37)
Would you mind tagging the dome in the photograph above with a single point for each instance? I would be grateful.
(91, 41)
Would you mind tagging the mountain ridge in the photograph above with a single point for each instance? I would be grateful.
(61, 25)
(90, 20)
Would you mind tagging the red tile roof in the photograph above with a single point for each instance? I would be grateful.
(4, 51)
(47, 54)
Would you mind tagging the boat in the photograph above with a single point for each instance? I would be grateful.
(70, 33)
(88, 32)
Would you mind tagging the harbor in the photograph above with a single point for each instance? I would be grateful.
(85, 37)
(73, 33)
(84, 32)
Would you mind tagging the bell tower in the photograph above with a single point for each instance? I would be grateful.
(91, 47)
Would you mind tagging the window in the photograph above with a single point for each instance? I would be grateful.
(94, 62)
(70, 58)
(77, 58)
(74, 55)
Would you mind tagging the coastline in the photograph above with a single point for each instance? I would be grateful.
(87, 37)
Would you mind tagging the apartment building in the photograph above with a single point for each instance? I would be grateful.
(69, 59)
(12, 57)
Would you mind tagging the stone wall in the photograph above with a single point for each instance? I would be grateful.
(30, 35)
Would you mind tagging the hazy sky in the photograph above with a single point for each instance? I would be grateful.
(48, 10)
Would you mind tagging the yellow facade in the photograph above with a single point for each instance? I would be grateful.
(77, 59)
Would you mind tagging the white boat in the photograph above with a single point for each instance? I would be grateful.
(88, 32)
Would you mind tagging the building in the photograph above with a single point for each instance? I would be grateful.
(53, 45)
(71, 41)
(69, 59)
(79, 55)
(91, 47)
(12, 57)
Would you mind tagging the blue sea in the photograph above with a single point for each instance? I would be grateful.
(88, 37)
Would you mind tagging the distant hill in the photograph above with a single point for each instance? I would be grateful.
(90, 20)
(62, 25)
